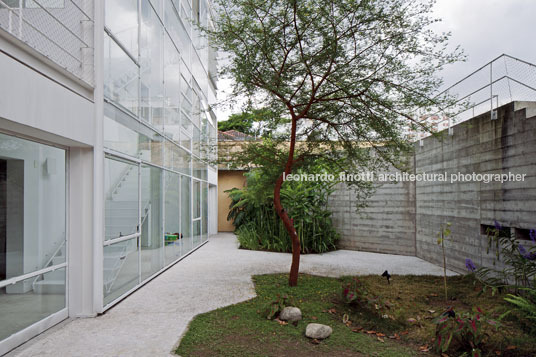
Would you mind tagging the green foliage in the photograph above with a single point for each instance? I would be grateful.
(255, 122)
(346, 72)
(514, 265)
(357, 293)
(276, 306)
(525, 306)
(258, 227)
(466, 329)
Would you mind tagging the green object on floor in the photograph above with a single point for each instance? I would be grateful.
(170, 238)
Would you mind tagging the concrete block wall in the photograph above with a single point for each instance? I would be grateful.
(404, 218)
(386, 225)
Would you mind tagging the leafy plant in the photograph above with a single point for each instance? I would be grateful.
(277, 305)
(258, 227)
(466, 329)
(514, 265)
(526, 306)
(357, 293)
(444, 233)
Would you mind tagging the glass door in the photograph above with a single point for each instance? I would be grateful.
(33, 241)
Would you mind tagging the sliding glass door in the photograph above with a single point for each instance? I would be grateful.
(33, 244)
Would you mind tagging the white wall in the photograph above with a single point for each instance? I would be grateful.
(31, 99)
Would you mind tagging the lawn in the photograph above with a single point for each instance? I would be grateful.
(406, 329)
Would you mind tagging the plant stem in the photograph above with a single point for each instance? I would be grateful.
(444, 266)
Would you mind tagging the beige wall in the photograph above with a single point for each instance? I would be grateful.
(227, 180)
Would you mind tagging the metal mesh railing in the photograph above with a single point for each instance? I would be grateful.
(503, 80)
(61, 30)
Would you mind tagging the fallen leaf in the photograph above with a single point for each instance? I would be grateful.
(404, 332)
(381, 339)
(282, 323)
(392, 337)
(332, 311)
(314, 318)
(371, 332)
(348, 323)
(357, 329)
(444, 355)
(511, 347)
(431, 311)
(498, 353)
(434, 295)
(412, 320)
(315, 341)
(345, 318)
(379, 334)
(424, 348)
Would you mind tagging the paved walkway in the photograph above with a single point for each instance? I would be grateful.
(151, 321)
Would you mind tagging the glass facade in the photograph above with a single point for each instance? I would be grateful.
(33, 253)
(156, 131)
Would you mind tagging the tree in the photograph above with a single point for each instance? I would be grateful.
(255, 122)
(345, 73)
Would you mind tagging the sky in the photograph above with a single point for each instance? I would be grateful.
(484, 29)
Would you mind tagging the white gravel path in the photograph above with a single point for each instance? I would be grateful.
(151, 321)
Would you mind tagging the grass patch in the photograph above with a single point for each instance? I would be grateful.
(240, 330)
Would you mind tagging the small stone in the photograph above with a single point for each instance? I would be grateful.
(318, 331)
(290, 314)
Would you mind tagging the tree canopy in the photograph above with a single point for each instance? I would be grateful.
(347, 74)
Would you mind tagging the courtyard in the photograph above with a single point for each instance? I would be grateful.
(152, 319)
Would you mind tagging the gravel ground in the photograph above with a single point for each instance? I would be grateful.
(151, 321)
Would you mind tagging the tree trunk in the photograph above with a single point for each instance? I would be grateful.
(289, 225)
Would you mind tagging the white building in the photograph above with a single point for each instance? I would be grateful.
(106, 131)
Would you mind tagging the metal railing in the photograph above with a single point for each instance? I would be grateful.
(503, 80)
(61, 30)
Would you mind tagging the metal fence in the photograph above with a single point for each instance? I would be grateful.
(61, 30)
(500, 81)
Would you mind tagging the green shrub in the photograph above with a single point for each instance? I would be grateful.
(525, 306)
(259, 228)
(466, 329)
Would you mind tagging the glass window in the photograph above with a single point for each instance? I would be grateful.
(186, 214)
(199, 169)
(151, 146)
(204, 215)
(197, 233)
(32, 231)
(121, 205)
(186, 141)
(122, 20)
(120, 269)
(196, 142)
(172, 79)
(177, 158)
(152, 239)
(172, 230)
(151, 62)
(121, 77)
(121, 131)
(30, 301)
(197, 199)
(32, 209)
